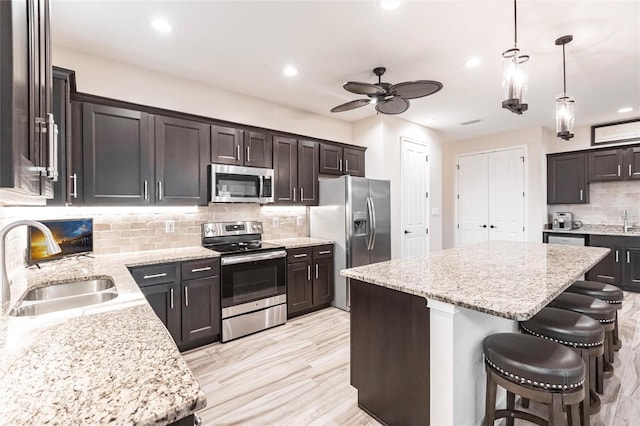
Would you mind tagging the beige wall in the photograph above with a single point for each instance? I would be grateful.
(382, 134)
(104, 77)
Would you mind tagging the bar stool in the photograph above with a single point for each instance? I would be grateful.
(600, 311)
(605, 292)
(533, 368)
(577, 331)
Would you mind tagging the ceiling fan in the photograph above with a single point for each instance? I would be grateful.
(388, 98)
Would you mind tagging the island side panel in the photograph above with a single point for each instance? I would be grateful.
(390, 354)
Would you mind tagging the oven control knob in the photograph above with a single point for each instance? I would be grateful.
(257, 227)
(209, 230)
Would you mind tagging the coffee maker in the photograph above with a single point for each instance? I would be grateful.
(562, 220)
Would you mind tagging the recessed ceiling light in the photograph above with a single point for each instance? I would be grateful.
(472, 62)
(627, 109)
(388, 4)
(290, 71)
(162, 25)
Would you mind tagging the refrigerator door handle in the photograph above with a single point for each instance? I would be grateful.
(371, 224)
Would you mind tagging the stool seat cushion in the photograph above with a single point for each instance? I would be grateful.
(607, 292)
(586, 305)
(535, 362)
(565, 327)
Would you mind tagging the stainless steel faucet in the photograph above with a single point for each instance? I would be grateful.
(625, 223)
(52, 248)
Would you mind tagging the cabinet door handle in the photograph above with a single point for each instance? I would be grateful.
(146, 190)
(146, 277)
(74, 179)
(238, 152)
(186, 296)
(341, 164)
(248, 154)
(316, 271)
(617, 259)
(308, 272)
(619, 169)
(159, 190)
(293, 190)
(628, 257)
(207, 268)
(52, 135)
(629, 169)
(171, 304)
(346, 166)
(581, 192)
(324, 252)
(301, 194)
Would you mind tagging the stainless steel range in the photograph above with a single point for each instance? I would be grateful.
(252, 277)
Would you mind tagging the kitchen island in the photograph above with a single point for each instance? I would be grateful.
(417, 323)
(112, 362)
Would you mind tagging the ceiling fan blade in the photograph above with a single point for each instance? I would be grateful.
(351, 105)
(415, 89)
(393, 106)
(360, 88)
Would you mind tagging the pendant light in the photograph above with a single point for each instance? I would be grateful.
(514, 80)
(564, 104)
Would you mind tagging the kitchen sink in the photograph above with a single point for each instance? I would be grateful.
(60, 297)
(69, 289)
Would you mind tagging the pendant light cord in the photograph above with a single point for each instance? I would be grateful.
(564, 72)
(515, 23)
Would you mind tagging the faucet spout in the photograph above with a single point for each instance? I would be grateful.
(52, 248)
(625, 223)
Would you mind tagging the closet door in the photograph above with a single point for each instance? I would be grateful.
(473, 199)
(506, 195)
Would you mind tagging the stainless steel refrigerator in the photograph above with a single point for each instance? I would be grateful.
(354, 212)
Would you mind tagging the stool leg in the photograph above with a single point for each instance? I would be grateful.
(585, 405)
(616, 340)
(555, 410)
(575, 418)
(607, 365)
(524, 402)
(600, 375)
(490, 408)
(511, 405)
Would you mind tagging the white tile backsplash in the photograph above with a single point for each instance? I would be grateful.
(607, 200)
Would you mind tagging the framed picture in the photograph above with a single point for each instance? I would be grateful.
(618, 132)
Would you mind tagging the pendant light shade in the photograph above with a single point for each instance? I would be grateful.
(514, 77)
(565, 106)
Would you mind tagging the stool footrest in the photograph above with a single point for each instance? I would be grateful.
(517, 414)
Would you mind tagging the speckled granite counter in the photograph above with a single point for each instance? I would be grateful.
(506, 279)
(615, 230)
(108, 363)
(300, 242)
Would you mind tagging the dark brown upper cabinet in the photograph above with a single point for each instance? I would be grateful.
(337, 160)
(182, 155)
(613, 164)
(566, 179)
(65, 188)
(27, 160)
(241, 147)
(117, 156)
(296, 166)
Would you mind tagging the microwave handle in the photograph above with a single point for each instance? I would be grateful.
(261, 191)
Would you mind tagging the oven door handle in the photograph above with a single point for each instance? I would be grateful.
(245, 258)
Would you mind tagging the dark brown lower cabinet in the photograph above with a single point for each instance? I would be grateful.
(309, 279)
(621, 267)
(186, 298)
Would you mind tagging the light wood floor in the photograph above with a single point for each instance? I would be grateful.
(298, 374)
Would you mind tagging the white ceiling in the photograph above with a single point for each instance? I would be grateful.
(243, 45)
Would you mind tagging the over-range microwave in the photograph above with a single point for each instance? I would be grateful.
(236, 184)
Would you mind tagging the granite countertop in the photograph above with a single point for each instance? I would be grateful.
(615, 230)
(110, 362)
(300, 242)
(512, 280)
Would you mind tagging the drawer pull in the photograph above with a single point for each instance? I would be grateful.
(299, 255)
(146, 277)
(207, 268)
(324, 252)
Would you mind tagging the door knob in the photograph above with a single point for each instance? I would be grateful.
(407, 232)
(483, 226)
(492, 226)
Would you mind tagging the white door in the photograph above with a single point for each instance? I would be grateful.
(415, 198)
(506, 195)
(473, 199)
